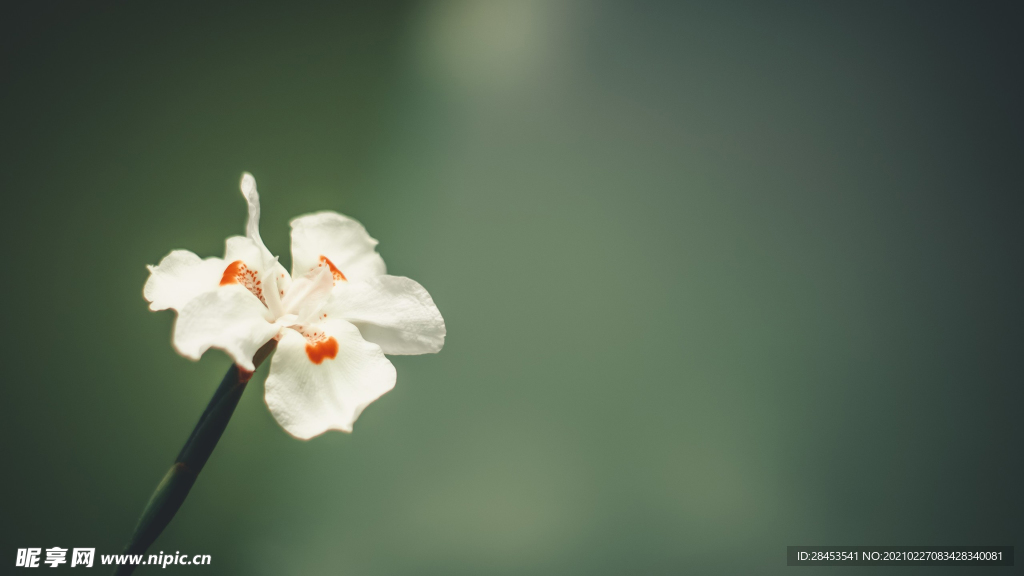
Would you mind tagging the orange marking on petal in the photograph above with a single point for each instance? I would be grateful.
(238, 273)
(231, 273)
(334, 269)
(318, 351)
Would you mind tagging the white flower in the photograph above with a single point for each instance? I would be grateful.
(334, 316)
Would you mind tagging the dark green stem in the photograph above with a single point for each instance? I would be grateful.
(175, 486)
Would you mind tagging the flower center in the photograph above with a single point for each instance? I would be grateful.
(334, 269)
(238, 273)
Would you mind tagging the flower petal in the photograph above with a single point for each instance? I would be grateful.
(272, 272)
(395, 312)
(252, 224)
(341, 240)
(245, 249)
(180, 277)
(308, 294)
(269, 276)
(315, 388)
(230, 318)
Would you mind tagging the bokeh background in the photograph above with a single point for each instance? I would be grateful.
(718, 277)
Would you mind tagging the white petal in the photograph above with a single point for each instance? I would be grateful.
(252, 225)
(252, 197)
(308, 294)
(229, 318)
(338, 238)
(273, 293)
(180, 277)
(308, 399)
(271, 275)
(245, 249)
(272, 272)
(394, 312)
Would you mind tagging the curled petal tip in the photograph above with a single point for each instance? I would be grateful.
(248, 184)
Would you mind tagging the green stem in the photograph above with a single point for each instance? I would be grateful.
(172, 490)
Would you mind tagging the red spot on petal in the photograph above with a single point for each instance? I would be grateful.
(334, 269)
(318, 351)
(231, 273)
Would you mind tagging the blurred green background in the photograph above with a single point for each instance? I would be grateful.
(718, 278)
